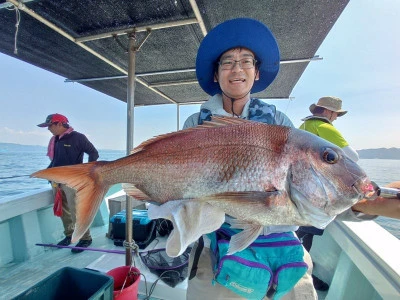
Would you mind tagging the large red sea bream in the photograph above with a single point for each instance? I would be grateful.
(259, 174)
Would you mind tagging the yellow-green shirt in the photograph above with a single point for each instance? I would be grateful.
(324, 129)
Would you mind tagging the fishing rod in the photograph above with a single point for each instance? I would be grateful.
(386, 192)
(9, 177)
(83, 248)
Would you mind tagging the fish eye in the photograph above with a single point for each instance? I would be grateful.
(330, 156)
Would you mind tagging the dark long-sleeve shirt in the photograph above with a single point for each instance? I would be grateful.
(69, 150)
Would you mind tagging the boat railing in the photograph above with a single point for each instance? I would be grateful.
(13, 206)
(27, 219)
(360, 260)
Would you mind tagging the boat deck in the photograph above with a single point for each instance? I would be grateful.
(16, 278)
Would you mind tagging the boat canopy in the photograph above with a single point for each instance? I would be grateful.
(88, 41)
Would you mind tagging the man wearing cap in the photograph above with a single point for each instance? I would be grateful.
(67, 147)
(235, 59)
(327, 110)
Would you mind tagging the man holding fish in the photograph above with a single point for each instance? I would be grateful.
(229, 77)
(260, 171)
(241, 65)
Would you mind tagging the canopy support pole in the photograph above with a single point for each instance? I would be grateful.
(129, 139)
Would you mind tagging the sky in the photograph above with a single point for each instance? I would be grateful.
(360, 65)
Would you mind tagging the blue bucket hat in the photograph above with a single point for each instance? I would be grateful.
(241, 32)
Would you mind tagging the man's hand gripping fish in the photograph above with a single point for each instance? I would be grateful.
(257, 173)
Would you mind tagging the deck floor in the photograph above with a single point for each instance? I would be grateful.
(16, 278)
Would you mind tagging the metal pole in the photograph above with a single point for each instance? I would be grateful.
(129, 139)
(177, 117)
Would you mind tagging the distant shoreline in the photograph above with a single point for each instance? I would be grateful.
(380, 153)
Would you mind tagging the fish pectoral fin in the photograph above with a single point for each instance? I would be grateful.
(243, 239)
(248, 196)
(134, 192)
(190, 219)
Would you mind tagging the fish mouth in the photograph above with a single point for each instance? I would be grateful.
(365, 189)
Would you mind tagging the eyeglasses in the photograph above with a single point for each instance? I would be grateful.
(244, 63)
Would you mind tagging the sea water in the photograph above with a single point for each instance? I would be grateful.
(17, 162)
(383, 171)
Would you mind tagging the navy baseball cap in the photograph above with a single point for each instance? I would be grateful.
(54, 118)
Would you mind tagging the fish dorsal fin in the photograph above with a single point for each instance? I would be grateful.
(215, 122)
(134, 192)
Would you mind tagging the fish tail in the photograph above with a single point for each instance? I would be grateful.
(90, 189)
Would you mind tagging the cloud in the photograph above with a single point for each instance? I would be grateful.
(35, 137)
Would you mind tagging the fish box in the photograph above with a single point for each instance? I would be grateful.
(71, 283)
(143, 229)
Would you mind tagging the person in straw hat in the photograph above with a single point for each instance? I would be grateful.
(327, 110)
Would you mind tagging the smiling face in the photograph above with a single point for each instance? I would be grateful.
(236, 82)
